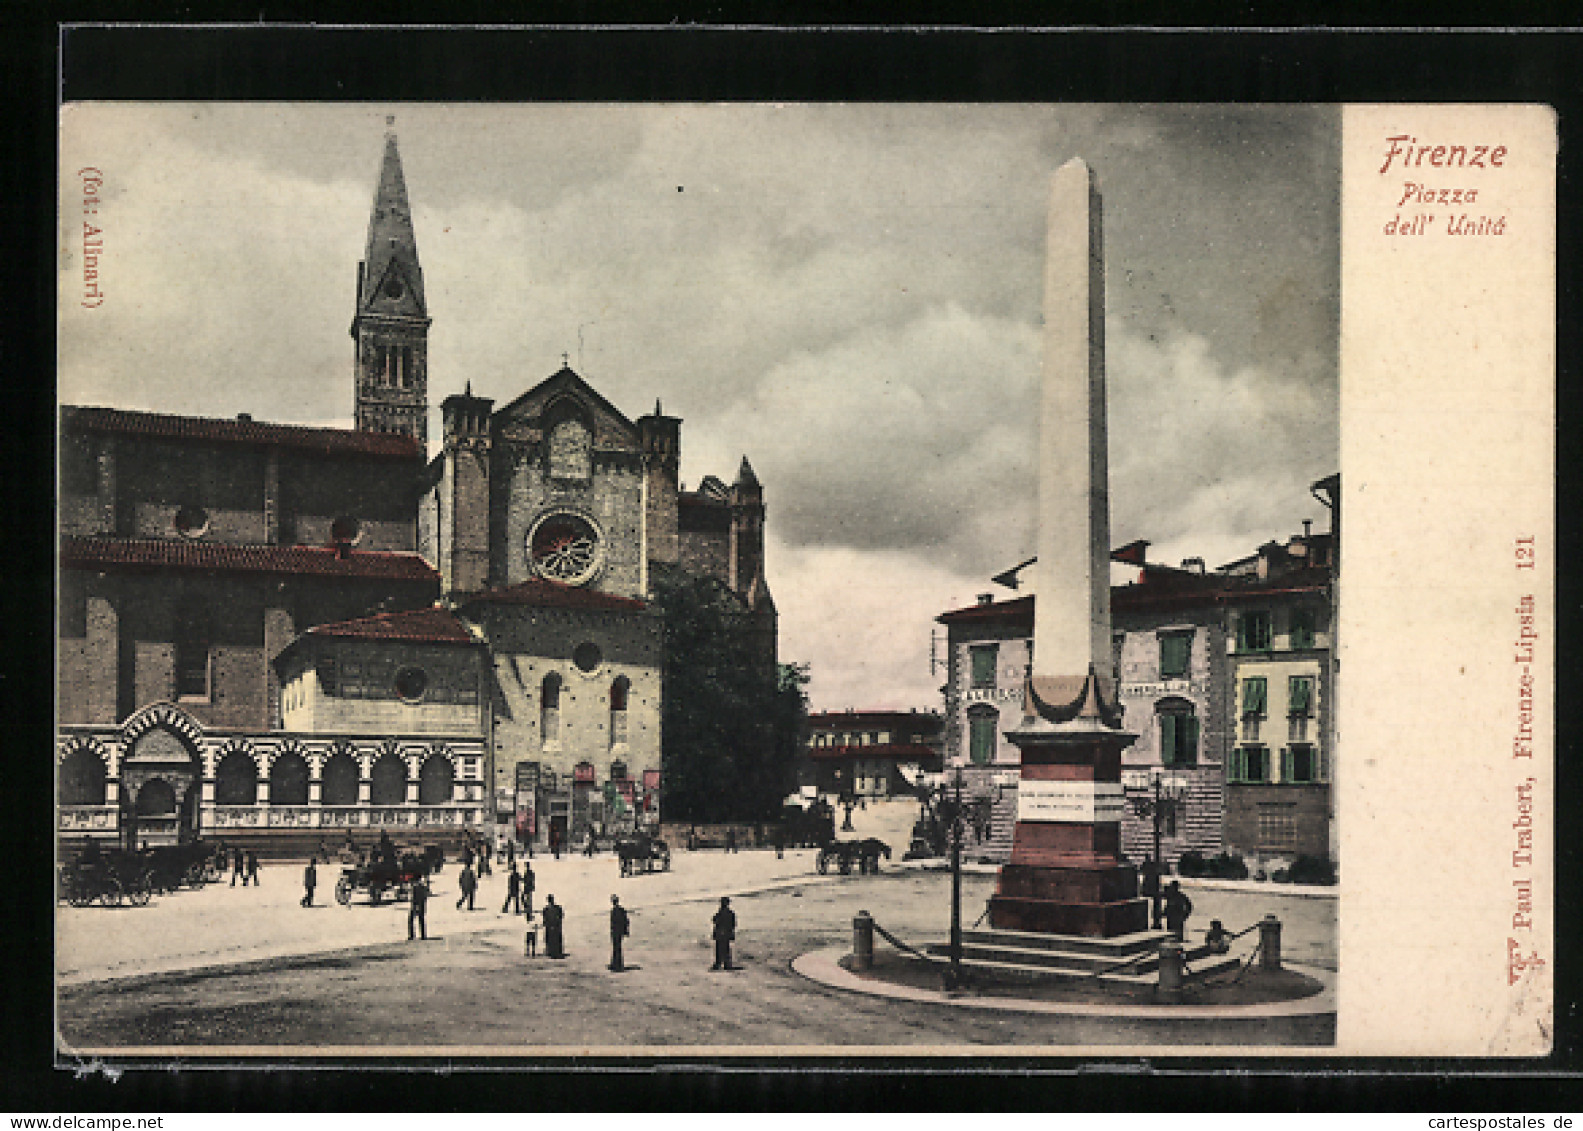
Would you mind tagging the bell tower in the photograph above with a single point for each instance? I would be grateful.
(391, 324)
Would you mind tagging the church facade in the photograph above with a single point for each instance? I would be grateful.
(288, 634)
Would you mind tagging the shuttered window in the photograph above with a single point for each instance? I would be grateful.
(1300, 695)
(1302, 633)
(1178, 739)
(1175, 648)
(1253, 631)
(1254, 695)
(984, 657)
(981, 725)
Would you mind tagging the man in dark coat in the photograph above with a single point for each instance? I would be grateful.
(310, 880)
(620, 926)
(252, 869)
(419, 905)
(528, 882)
(238, 867)
(1177, 908)
(725, 931)
(513, 891)
(554, 916)
(469, 887)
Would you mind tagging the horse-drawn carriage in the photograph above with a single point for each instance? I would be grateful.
(111, 878)
(640, 852)
(388, 874)
(194, 864)
(844, 854)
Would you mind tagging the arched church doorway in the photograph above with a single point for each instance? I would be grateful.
(160, 783)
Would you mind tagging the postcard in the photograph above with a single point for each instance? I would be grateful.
(679, 579)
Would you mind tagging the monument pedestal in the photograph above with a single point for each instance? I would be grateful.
(1066, 875)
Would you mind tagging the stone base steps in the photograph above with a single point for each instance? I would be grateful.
(1027, 955)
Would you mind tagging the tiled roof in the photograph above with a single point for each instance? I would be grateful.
(892, 720)
(328, 441)
(1020, 609)
(552, 595)
(1179, 591)
(301, 561)
(896, 751)
(426, 626)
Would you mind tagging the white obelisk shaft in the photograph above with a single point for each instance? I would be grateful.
(1072, 614)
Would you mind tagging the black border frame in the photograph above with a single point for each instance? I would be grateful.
(710, 60)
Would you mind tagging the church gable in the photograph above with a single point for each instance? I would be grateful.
(560, 400)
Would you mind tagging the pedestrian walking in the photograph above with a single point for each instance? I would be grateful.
(417, 908)
(513, 891)
(528, 881)
(725, 931)
(554, 917)
(620, 926)
(310, 880)
(238, 867)
(485, 851)
(1177, 908)
(467, 853)
(588, 851)
(530, 941)
(469, 887)
(252, 869)
(511, 852)
(555, 842)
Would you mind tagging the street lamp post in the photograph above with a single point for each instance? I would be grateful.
(1162, 804)
(954, 812)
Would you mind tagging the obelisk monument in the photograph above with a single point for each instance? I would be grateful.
(1065, 875)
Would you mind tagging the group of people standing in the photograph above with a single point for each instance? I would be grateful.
(244, 867)
(520, 886)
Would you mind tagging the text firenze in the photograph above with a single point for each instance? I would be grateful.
(92, 241)
(1413, 155)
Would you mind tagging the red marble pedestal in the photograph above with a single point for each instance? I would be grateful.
(1066, 875)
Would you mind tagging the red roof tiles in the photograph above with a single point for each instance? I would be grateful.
(552, 594)
(1014, 611)
(301, 561)
(425, 626)
(328, 441)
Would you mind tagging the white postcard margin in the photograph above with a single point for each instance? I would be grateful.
(1445, 765)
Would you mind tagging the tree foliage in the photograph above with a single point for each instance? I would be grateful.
(732, 718)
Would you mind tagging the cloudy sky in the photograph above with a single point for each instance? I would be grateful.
(849, 295)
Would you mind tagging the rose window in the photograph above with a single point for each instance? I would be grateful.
(564, 548)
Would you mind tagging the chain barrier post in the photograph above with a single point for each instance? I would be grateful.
(862, 941)
(1171, 963)
(1270, 943)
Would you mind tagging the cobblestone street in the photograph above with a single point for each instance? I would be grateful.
(248, 968)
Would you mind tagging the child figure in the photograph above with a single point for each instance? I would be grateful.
(530, 941)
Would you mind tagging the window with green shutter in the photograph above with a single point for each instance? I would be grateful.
(1248, 764)
(1175, 648)
(1302, 633)
(1178, 736)
(1253, 631)
(984, 657)
(1300, 695)
(981, 726)
(1299, 763)
(1254, 695)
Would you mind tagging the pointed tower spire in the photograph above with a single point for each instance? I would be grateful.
(745, 474)
(391, 322)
